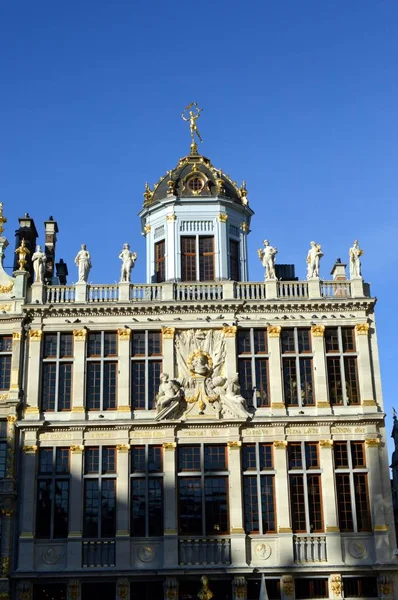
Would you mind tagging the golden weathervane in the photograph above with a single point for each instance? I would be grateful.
(191, 118)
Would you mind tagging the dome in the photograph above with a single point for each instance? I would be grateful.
(195, 176)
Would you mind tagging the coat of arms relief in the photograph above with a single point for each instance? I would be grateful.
(201, 388)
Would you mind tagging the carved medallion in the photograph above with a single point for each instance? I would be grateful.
(146, 554)
(263, 551)
(357, 549)
(51, 556)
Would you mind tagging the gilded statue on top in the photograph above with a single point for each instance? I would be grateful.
(191, 119)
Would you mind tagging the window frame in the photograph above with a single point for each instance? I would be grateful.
(254, 358)
(305, 472)
(99, 476)
(259, 473)
(102, 360)
(298, 357)
(160, 261)
(6, 363)
(57, 360)
(197, 258)
(53, 477)
(145, 359)
(342, 355)
(147, 475)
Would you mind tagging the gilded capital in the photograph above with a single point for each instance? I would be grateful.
(280, 444)
(169, 445)
(147, 229)
(326, 443)
(223, 218)
(230, 331)
(77, 449)
(11, 419)
(362, 328)
(234, 445)
(168, 333)
(16, 335)
(79, 335)
(172, 217)
(123, 448)
(372, 442)
(29, 449)
(245, 227)
(124, 334)
(318, 330)
(35, 335)
(274, 330)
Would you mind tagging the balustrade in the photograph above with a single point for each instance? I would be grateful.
(146, 293)
(198, 291)
(335, 289)
(309, 548)
(205, 551)
(103, 293)
(98, 553)
(58, 294)
(250, 291)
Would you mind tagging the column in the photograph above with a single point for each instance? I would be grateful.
(27, 516)
(319, 363)
(230, 350)
(74, 589)
(76, 508)
(170, 587)
(123, 380)
(170, 543)
(275, 369)
(168, 350)
(7, 514)
(122, 589)
(244, 275)
(122, 508)
(16, 371)
(238, 537)
(25, 590)
(375, 488)
(364, 366)
(171, 255)
(223, 249)
(32, 408)
(282, 501)
(239, 588)
(79, 339)
(329, 499)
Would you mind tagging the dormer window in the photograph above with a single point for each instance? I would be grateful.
(195, 184)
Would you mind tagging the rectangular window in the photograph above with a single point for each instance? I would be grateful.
(352, 486)
(188, 259)
(146, 491)
(56, 390)
(99, 492)
(259, 488)
(360, 587)
(102, 367)
(146, 366)
(234, 260)
(160, 261)
(297, 367)
(52, 503)
(341, 361)
(203, 490)
(253, 366)
(305, 487)
(5, 361)
(197, 258)
(206, 258)
(311, 588)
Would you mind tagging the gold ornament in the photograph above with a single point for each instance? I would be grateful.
(362, 328)
(22, 252)
(318, 330)
(4, 289)
(124, 334)
(229, 331)
(79, 335)
(148, 194)
(35, 335)
(168, 333)
(274, 331)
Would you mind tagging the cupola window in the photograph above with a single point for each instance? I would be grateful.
(195, 184)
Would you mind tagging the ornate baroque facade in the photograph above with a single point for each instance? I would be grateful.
(196, 424)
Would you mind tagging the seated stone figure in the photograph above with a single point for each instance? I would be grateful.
(169, 391)
(231, 399)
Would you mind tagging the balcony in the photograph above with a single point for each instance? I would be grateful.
(202, 292)
(98, 553)
(204, 551)
(309, 548)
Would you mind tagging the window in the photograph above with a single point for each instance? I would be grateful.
(305, 487)
(57, 371)
(193, 262)
(99, 492)
(341, 363)
(160, 261)
(102, 369)
(195, 184)
(253, 366)
(5, 361)
(360, 587)
(311, 588)
(259, 488)
(52, 508)
(146, 366)
(234, 260)
(3, 449)
(203, 490)
(297, 367)
(352, 486)
(146, 491)
(273, 589)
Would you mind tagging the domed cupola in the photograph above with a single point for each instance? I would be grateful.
(196, 220)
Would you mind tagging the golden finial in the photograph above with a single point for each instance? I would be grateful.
(22, 252)
(191, 118)
(243, 192)
(148, 193)
(2, 218)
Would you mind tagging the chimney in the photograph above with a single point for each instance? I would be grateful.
(27, 231)
(51, 230)
(338, 271)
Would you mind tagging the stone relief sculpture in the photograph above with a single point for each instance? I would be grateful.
(201, 388)
(355, 253)
(313, 260)
(83, 262)
(39, 260)
(267, 257)
(128, 259)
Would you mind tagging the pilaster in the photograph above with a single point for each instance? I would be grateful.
(21, 283)
(170, 542)
(230, 350)
(25, 590)
(330, 503)
(335, 586)
(7, 516)
(287, 587)
(76, 512)
(79, 338)
(170, 587)
(16, 373)
(275, 369)
(282, 494)
(168, 350)
(364, 367)
(376, 505)
(122, 589)
(123, 381)
(239, 588)
(32, 408)
(171, 250)
(223, 247)
(27, 517)
(122, 508)
(238, 538)
(319, 367)
(74, 589)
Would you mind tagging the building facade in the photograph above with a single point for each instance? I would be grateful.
(197, 424)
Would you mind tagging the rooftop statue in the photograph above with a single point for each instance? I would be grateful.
(355, 260)
(191, 119)
(39, 260)
(22, 252)
(128, 259)
(267, 257)
(313, 259)
(83, 262)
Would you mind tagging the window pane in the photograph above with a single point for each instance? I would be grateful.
(260, 341)
(262, 396)
(331, 339)
(110, 385)
(93, 386)
(362, 502)
(206, 258)
(244, 341)
(3, 461)
(155, 459)
(216, 505)
(43, 508)
(154, 370)
(297, 503)
(138, 386)
(64, 386)
(62, 460)
(304, 340)
(48, 390)
(266, 456)
(334, 381)
(189, 458)
(311, 455)
(138, 507)
(188, 259)
(249, 457)
(360, 587)
(358, 455)
(340, 455)
(268, 503)
(66, 345)
(108, 460)
(351, 383)
(306, 392)
(250, 498)
(347, 334)
(91, 508)
(311, 588)
(138, 459)
(190, 505)
(5, 372)
(315, 503)
(49, 345)
(155, 506)
(91, 460)
(245, 379)
(46, 460)
(138, 345)
(215, 458)
(110, 344)
(5, 343)
(287, 339)
(61, 509)
(154, 343)
(94, 344)
(160, 263)
(290, 381)
(294, 453)
(344, 505)
(108, 508)
(234, 260)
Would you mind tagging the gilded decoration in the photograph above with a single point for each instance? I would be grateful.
(234, 445)
(147, 229)
(79, 335)
(29, 449)
(74, 589)
(332, 529)
(380, 528)
(285, 530)
(287, 586)
(169, 445)
(172, 217)
(223, 218)
(205, 593)
(245, 227)
(16, 335)
(35, 335)
(31, 410)
(369, 403)
(318, 330)
(3, 219)
(124, 334)
(280, 444)
(372, 442)
(4, 396)
(6, 307)
(229, 331)
(5, 289)
(148, 194)
(326, 443)
(122, 589)
(274, 331)
(362, 328)
(171, 593)
(123, 448)
(77, 449)
(11, 420)
(5, 566)
(386, 586)
(336, 585)
(7, 512)
(22, 253)
(199, 363)
(168, 333)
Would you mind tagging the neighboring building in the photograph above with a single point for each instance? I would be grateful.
(129, 491)
(394, 468)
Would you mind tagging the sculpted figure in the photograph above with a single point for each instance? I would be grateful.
(205, 592)
(313, 259)
(169, 391)
(191, 119)
(200, 365)
(267, 257)
(231, 397)
(128, 259)
(355, 260)
(39, 260)
(83, 262)
(22, 251)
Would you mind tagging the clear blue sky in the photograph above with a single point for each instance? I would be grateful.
(300, 99)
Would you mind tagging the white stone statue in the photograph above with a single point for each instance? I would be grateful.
(39, 260)
(231, 398)
(355, 260)
(83, 262)
(169, 391)
(313, 259)
(267, 257)
(128, 259)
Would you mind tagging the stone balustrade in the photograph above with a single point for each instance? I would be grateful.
(204, 551)
(309, 548)
(98, 553)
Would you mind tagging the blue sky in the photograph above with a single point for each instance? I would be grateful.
(300, 99)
